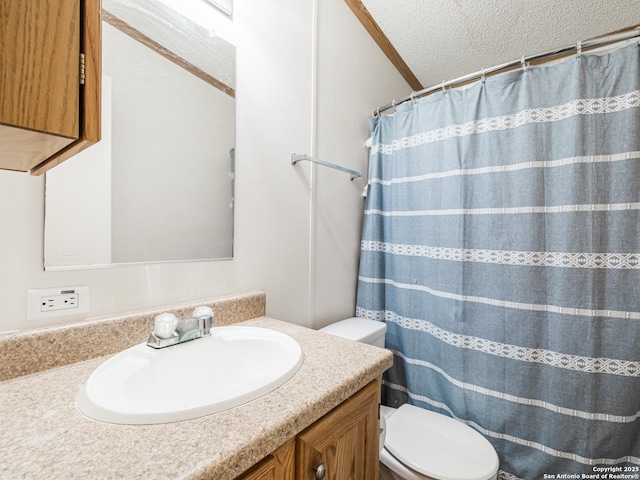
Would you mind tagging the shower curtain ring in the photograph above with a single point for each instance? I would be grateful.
(413, 98)
(579, 50)
(393, 104)
(444, 89)
(483, 77)
(523, 63)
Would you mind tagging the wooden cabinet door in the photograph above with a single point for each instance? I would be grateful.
(39, 79)
(344, 443)
(47, 112)
(265, 470)
(277, 466)
(40, 65)
(90, 90)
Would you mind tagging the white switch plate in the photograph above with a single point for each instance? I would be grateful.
(44, 303)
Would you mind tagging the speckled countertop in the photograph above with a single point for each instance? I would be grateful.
(44, 436)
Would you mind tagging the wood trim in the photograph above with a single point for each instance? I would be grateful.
(625, 29)
(361, 12)
(134, 33)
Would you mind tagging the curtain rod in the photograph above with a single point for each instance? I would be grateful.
(295, 158)
(523, 62)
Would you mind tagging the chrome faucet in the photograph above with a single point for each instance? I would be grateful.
(171, 331)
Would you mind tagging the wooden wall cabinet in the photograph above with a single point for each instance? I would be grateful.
(50, 81)
(342, 445)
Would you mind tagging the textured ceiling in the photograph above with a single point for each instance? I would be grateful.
(441, 40)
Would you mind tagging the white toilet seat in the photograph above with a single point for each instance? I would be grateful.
(437, 446)
(397, 471)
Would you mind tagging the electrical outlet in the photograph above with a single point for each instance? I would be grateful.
(47, 303)
(65, 301)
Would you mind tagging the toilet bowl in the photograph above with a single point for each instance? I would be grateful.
(417, 444)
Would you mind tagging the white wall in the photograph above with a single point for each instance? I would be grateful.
(308, 270)
(354, 78)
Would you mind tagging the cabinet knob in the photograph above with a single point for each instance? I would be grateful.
(321, 471)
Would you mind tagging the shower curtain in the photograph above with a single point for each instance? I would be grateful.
(501, 245)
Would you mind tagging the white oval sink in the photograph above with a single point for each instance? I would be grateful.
(232, 366)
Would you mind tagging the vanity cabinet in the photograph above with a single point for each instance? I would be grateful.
(49, 81)
(279, 465)
(342, 445)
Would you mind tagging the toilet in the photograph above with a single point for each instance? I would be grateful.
(417, 444)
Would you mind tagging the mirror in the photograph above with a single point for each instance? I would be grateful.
(159, 186)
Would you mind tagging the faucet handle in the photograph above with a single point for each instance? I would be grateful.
(203, 311)
(165, 325)
(204, 315)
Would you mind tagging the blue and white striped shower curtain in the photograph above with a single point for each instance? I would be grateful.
(501, 245)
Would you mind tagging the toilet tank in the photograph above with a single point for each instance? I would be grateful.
(359, 329)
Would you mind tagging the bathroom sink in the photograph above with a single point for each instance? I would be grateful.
(228, 368)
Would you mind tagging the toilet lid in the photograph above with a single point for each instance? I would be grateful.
(358, 329)
(439, 446)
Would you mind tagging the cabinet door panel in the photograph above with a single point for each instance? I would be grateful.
(40, 65)
(346, 458)
(345, 441)
(265, 470)
(277, 466)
